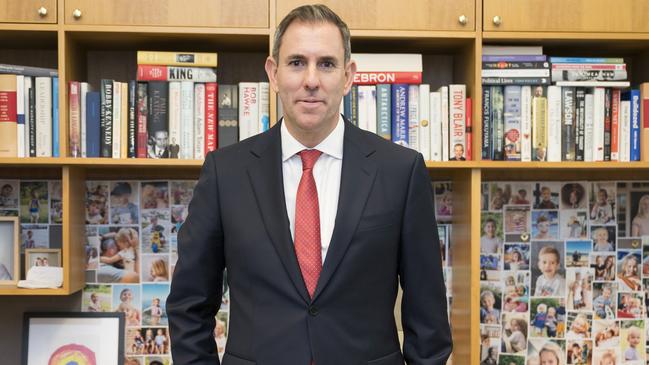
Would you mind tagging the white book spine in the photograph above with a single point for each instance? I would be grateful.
(371, 107)
(28, 86)
(174, 119)
(186, 120)
(43, 117)
(20, 109)
(588, 128)
(199, 121)
(413, 117)
(457, 115)
(117, 119)
(624, 127)
(424, 121)
(248, 109)
(83, 91)
(444, 114)
(526, 123)
(363, 109)
(436, 126)
(598, 124)
(554, 124)
(264, 107)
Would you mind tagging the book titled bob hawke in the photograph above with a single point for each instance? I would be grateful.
(387, 68)
(173, 73)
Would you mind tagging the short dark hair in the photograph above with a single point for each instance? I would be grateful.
(121, 188)
(317, 13)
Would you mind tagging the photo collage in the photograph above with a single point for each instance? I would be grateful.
(562, 271)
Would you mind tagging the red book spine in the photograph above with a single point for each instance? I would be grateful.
(151, 73)
(615, 117)
(469, 129)
(378, 77)
(141, 109)
(210, 117)
(8, 107)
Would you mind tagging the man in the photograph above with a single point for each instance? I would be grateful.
(316, 222)
(458, 153)
(108, 273)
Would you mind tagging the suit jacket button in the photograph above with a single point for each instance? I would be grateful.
(313, 310)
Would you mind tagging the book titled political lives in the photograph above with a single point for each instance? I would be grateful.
(400, 114)
(228, 115)
(158, 120)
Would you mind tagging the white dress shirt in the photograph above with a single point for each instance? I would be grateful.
(326, 172)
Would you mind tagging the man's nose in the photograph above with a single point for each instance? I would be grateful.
(311, 77)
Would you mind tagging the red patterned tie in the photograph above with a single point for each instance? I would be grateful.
(307, 223)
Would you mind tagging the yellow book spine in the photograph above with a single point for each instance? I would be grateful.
(177, 58)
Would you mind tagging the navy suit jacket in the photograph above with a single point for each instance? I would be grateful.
(384, 233)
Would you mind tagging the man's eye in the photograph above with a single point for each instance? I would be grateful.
(327, 64)
(295, 63)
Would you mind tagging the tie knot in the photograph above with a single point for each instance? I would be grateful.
(309, 158)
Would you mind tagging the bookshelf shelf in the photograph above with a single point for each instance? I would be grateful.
(14, 290)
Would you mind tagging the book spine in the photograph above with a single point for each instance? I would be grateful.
(607, 123)
(187, 133)
(512, 118)
(505, 73)
(520, 65)
(635, 126)
(264, 106)
(514, 58)
(173, 73)
(515, 80)
(445, 121)
(400, 114)
(588, 66)
(625, 133)
(43, 117)
(457, 115)
(371, 106)
(526, 123)
(20, 115)
(93, 112)
(32, 118)
(8, 116)
(383, 106)
(117, 119)
(539, 124)
(599, 98)
(424, 121)
(56, 127)
(486, 124)
(554, 124)
(83, 92)
(228, 115)
(413, 117)
(175, 117)
(435, 126)
(28, 71)
(131, 147)
(568, 132)
(588, 75)
(158, 120)
(554, 60)
(28, 115)
(347, 105)
(498, 121)
(469, 129)
(106, 125)
(644, 121)
(249, 109)
(373, 78)
(142, 113)
(177, 58)
(580, 111)
(74, 108)
(124, 120)
(212, 130)
(615, 124)
(353, 114)
(363, 109)
(199, 121)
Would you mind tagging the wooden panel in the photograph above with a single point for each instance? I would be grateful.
(567, 16)
(74, 257)
(27, 11)
(388, 14)
(199, 13)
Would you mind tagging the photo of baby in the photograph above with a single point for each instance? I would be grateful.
(548, 273)
(632, 341)
(154, 195)
(579, 352)
(123, 203)
(603, 238)
(602, 202)
(547, 317)
(628, 270)
(579, 325)
(96, 298)
(492, 232)
(182, 191)
(517, 256)
(154, 307)
(9, 190)
(443, 201)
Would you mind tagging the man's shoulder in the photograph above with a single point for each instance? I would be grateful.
(386, 150)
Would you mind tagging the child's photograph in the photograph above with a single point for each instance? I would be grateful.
(42, 257)
(443, 232)
(606, 333)
(91, 248)
(630, 305)
(499, 195)
(628, 270)
(645, 258)
(154, 195)
(489, 343)
(507, 359)
(602, 202)
(182, 191)
(133, 360)
(604, 265)
(443, 201)
(155, 268)
(632, 341)
(521, 193)
(573, 224)
(96, 298)
(134, 341)
(155, 341)
(603, 238)
(118, 254)
(123, 202)
(579, 325)
(543, 351)
(126, 299)
(517, 256)
(484, 197)
(579, 352)
(639, 213)
(156, 360)
(546, 195)
(490, 302)
(517, 222)
(56, 203)
(578, 253)
(545, 225)
(608, 356)
(490, 267)
(34, 236)
(573, 195)
(96, 202)
(221, 333)
(154, 304)
(34, 202)
(178, 216)
(514, 333)
(547, 317)
(155, 231)
(491, 228)
(604, 300)
(548, 273)
(580, 288)
(516, 300)
(9, 191)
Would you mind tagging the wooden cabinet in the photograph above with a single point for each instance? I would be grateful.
(566, 15)
(28, 11)
(191, 13)
(395, 15)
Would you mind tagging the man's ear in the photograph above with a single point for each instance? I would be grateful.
(271, 71)
(350, 71)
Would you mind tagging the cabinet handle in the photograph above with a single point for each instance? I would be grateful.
(463, 19)
(76, 14)
(497, 20)
(42, 11)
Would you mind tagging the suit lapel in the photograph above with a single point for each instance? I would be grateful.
(357, 177)
(267, 182)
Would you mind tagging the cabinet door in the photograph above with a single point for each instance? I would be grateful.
(27, 11)
(193, 13)
(396, 15)
(567, 15)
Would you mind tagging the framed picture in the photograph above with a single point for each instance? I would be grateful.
(42, 257)
(9, 251)
(73, 338)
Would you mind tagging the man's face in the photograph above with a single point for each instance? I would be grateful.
(459, 151)
(311, 76)
(161, 139)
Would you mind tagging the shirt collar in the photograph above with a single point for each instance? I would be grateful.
(332, 145)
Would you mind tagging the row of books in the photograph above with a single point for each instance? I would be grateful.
(561, 123)
(29, 112)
